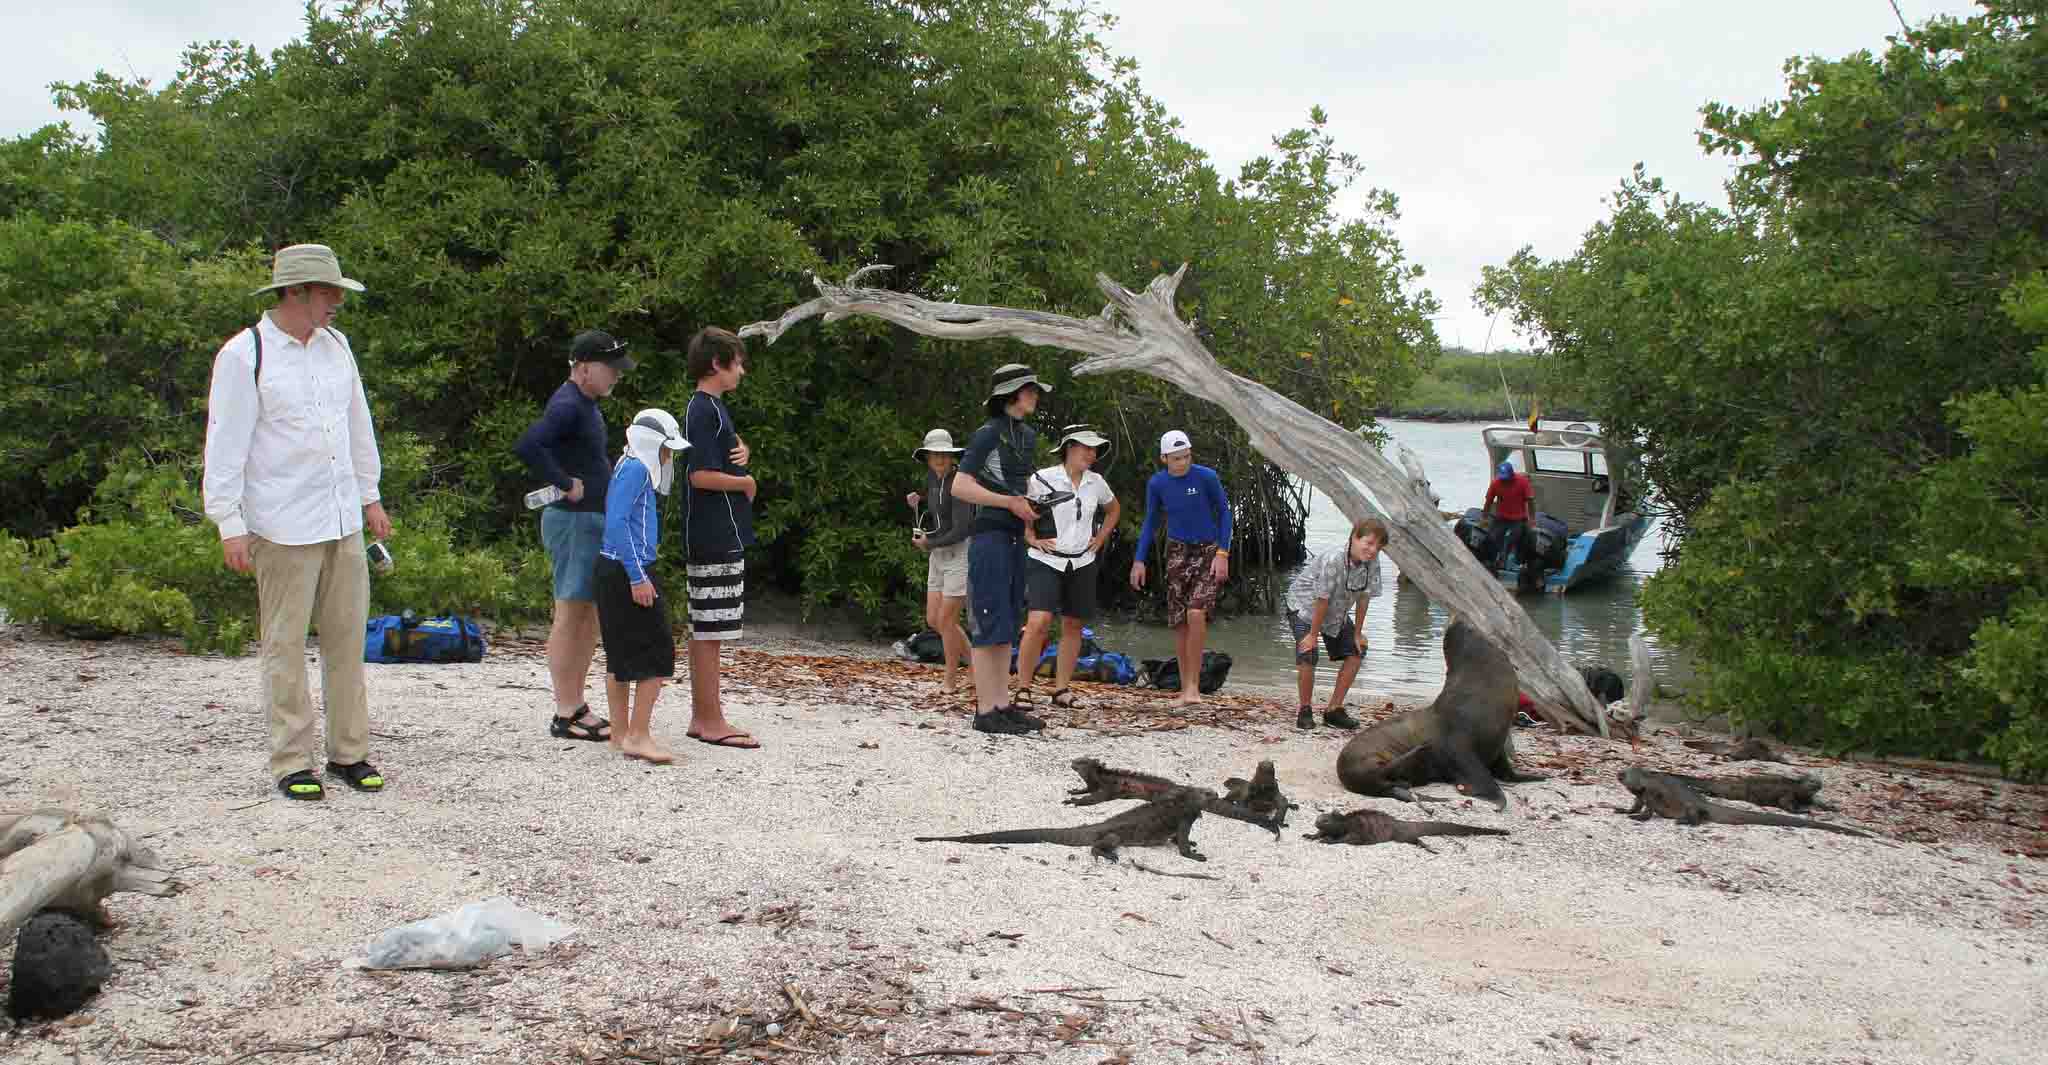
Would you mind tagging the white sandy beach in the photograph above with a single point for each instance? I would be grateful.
(701, 889)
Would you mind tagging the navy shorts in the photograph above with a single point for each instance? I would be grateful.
(1341, 646)
(995, 587)
(572, 539)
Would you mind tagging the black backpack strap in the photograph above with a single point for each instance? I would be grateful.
(256, 334)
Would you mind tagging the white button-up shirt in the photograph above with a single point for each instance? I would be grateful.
(294, 458)
(1073, 522)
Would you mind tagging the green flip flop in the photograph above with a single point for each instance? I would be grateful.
(361, 776)
(301, 785)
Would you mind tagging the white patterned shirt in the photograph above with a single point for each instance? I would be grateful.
(1333, 576)
(1073, 522)
(294, 458)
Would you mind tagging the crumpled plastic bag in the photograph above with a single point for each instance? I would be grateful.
(464, 937)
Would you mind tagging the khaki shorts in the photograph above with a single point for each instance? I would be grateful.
(946, 571)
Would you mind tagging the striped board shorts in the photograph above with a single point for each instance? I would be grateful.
(717, 586)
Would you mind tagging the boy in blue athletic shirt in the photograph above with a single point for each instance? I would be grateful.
(1197, 550)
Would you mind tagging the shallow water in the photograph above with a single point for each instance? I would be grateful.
(1404, 630)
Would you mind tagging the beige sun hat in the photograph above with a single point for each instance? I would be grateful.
(1084, 434)
(938, 440)
(307, 264)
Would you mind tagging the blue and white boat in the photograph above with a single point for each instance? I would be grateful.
(1586, 517)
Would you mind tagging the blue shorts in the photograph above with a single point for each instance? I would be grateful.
(995, 587)
(572, 538)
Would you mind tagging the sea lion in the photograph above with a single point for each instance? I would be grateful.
(1462, 738)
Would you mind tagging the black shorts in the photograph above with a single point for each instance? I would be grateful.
(638, 643)
(1341, 646)
(1068, 593)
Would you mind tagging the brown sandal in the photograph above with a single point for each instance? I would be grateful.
(1065, 699)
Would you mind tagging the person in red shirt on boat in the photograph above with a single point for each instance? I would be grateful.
(1513, 492)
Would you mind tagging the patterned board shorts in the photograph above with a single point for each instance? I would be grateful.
(717, 588)
(1190, 582)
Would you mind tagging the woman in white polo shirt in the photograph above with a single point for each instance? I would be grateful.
(1060, 572)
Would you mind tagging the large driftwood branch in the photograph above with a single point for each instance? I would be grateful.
(1143, 333)
(57, 859)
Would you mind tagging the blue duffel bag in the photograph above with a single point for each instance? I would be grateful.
(405, 638)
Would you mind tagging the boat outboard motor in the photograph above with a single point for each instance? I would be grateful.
(1473, 530)
(1549, 540)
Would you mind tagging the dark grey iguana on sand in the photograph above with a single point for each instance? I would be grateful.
(1365, 827)
(1664, 795)
(1100, 783)
(1796, 794)
(1261, 794)
(1749, 750)
(1166, 819)
(1103, 784)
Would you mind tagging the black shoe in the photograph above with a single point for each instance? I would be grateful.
(301, 785)
(1306, 719)
(1339, 718)
(998, 722)
(361, 776)
(1025, 722)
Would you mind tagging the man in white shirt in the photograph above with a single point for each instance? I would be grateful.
(1060, 573)
(291, 480)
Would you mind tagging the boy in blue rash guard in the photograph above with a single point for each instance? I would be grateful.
(632, 614)
(1197, 551)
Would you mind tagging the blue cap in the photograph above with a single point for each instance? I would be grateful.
(1505, 470)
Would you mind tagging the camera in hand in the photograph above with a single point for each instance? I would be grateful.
(1044, 527)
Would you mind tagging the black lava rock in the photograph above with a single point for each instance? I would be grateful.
(58, 965)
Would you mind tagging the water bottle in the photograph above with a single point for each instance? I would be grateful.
(541, 497)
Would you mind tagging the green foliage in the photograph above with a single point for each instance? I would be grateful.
(505, 173)
(1837, 383)
(1469, 385)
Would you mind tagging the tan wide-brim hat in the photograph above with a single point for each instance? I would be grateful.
(307, 264)
(938, 441)
(1008, 379)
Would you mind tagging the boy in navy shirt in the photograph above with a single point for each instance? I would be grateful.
(566, 448)
(718, 514)
(1197, 551)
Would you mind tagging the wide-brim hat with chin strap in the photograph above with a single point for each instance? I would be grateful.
(1085, 435)
(936, 442)
(650, 431)
(1008, 379)
(307, 264)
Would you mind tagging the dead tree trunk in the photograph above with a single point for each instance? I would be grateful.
(57, 859)
(1144, 333)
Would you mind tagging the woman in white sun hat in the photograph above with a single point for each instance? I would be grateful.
(941, 530)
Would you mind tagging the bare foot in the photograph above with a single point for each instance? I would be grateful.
(659, 755)
(1189, 699)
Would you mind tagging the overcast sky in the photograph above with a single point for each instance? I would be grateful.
(1497, 124)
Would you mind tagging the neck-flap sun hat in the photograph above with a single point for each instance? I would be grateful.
(650, 431)
(307, 264)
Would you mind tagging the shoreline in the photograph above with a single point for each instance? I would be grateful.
(701, 892)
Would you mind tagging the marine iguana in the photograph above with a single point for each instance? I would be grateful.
(1104, 784)
(1100, 783)
(1464, 737)
(1366, 827)
(1261, 794)
(1796, 794)
(1159, 821)
(1664, 795)
(1749, 750)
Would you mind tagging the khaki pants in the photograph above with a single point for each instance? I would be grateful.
(295, 585)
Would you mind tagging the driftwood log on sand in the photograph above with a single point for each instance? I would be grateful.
(61, 859)
(1142, 332)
